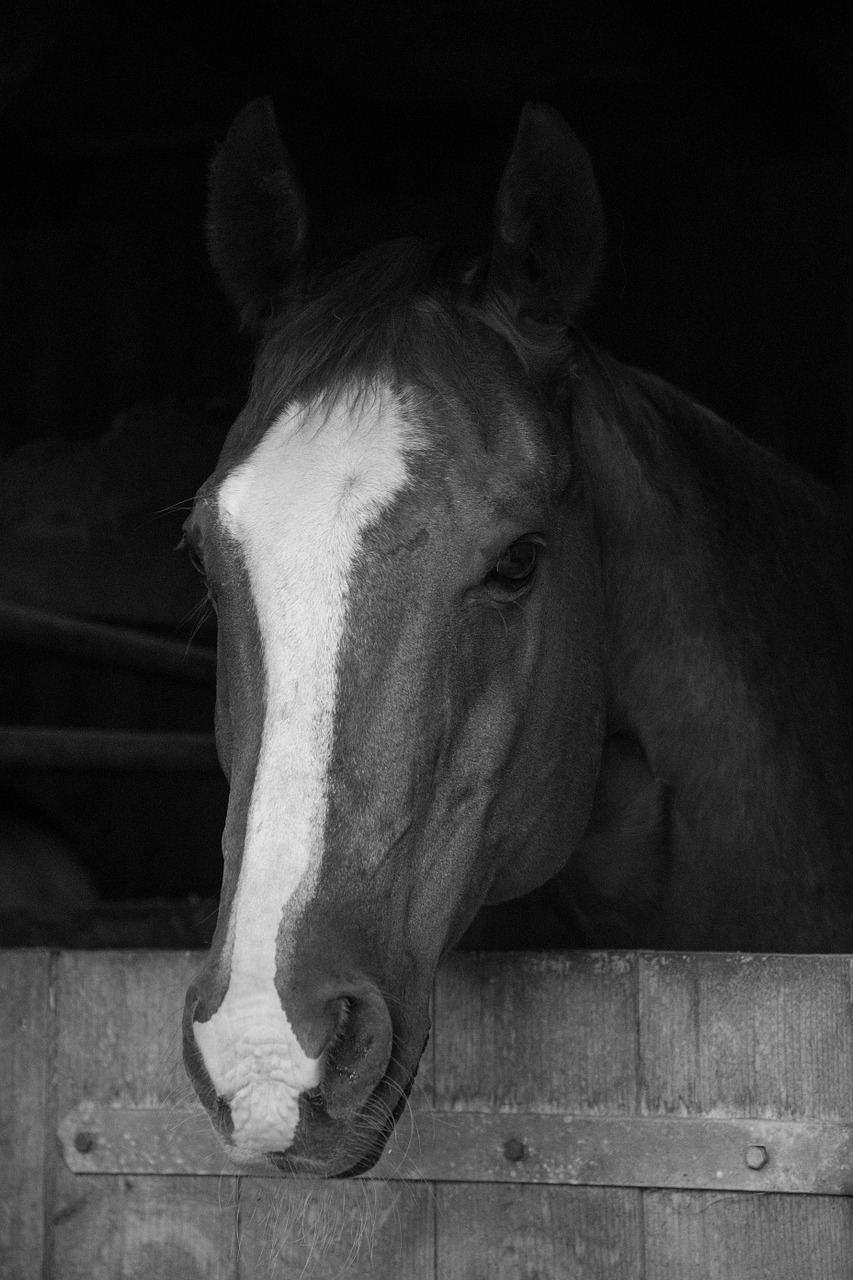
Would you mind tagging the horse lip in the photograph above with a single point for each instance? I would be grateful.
(311, 1106)
(316, 1166)
(320, 1166)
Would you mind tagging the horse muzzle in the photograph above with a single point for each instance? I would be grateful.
(325, 1111)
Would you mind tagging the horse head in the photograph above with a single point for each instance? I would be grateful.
(410, 691)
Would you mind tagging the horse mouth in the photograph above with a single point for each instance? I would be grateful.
(318, 1149)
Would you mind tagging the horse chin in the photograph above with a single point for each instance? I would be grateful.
(318, 1148)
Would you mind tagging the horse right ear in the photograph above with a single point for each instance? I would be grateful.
(256, 220)
(549, 227)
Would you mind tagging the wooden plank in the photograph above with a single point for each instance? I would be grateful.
(747, 1035)
(25, 1060)
(118, 1041)
(751, 1047)
(537, 1031)
(702, 1236)
(361, 1230)
(805, 1157)
(551, 1033)
(150, 1228)
(736, 1036)
(553, 1233)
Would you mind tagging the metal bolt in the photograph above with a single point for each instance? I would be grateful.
(84, 1141)
(756, 1157)
(514, 1149)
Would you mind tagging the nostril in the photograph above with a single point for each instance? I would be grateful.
(357, 1056)
(200, 1012)
(342, 1018)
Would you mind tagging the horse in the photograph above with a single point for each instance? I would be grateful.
(495, 612)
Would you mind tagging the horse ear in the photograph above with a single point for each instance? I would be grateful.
(256, 220)
(549, 228)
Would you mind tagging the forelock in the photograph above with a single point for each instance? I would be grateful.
(394, 316)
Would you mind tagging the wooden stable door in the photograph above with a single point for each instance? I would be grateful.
(585, 1116)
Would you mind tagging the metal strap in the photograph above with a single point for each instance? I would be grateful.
(679, 1152)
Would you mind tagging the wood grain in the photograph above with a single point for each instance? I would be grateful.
(543, 1031)
(701, 1235)
(118, 1041)
(701, 1044)
(551, 1233)
(552, 1033)
(25, 1054)
(747, 1035)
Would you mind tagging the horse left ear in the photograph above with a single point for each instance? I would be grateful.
(549, 228)
(256, 219)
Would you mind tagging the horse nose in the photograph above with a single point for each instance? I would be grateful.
(344, 1027)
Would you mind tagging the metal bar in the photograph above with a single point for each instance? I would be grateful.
(47, 748)
(124, 646)
(680, 1152)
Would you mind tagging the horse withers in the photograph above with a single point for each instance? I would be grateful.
(494, 611)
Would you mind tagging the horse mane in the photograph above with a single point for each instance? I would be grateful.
(673, 470)
(405, 311)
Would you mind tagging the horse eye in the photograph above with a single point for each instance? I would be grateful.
(515, 566)
(198, 564)
(195, 560)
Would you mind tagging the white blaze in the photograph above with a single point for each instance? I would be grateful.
(298, 506)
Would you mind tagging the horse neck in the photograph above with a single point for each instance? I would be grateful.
(727, 588)
(698, 529)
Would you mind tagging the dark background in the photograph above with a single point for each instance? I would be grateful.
(721, 139)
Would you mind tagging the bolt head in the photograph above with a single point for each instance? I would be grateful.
(514, 1149)
(756, 1157)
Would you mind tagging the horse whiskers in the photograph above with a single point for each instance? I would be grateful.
(184, 505)
(317, 1218)
(192, 613)
(365, 1127)
(201, 612)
